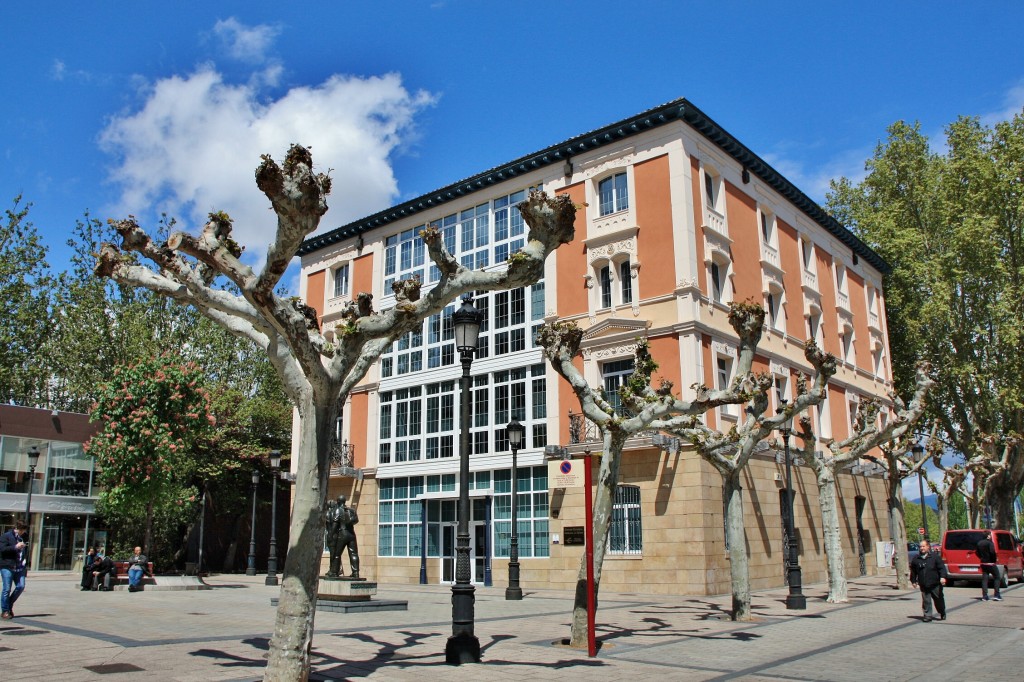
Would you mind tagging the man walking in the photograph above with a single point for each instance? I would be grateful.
(928, 571)
(13, 566)
(986, 552)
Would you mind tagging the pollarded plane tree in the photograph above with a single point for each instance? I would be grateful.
(641, 406)
(645, 408)
(317, 373)
(827, 463)
(730, 451)
(898, 464)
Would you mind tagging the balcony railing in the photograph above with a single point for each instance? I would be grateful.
(714, 220)
(843, 301)
(770, 256)
(873, 321)
(582, 430)
(810, 280)
(342, 460)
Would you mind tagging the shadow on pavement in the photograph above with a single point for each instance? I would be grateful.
(233, 661)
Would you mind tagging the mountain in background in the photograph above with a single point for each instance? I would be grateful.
(929, 501)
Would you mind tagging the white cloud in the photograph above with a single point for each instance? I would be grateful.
(249, 44)
(814, 181)
(192, 146)
(1013, 102)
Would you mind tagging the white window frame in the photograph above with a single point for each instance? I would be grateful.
(619, 200)
(621, 529)
(814, 331)
(776, 322)
(722, 382)
(807, 257)
(623, 369)
(342, 280)
(767, 227)
(724, 266)
(711, 180)
(846, 345)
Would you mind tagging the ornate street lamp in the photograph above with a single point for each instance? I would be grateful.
(275, 466)
(515, 432)
(251, 569)
(795, 600)
(918, 451)
(463, 646)
(33, 461)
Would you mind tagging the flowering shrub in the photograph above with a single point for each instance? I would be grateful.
(153, 412)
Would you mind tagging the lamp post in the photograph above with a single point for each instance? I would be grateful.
(795, 600)
(251, 568)
(918, 451)
(33, 461)
(515, 432)
(463, 646)
(275, 466)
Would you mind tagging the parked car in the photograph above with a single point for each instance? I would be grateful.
(958, 553)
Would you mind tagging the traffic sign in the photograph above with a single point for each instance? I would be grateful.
(920, 531)
(565, 473)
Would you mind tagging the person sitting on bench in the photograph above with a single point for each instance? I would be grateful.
(90, 556)
(137, 567)
(102, 566)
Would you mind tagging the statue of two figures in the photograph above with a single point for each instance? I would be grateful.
(340, 522)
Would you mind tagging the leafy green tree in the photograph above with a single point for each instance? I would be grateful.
(952, 226)
(153, 412)
(25, 287)
(958, 519)
(912, 517)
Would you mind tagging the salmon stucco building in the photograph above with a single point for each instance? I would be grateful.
(677, 219)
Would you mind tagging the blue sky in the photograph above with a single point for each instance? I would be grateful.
(121, 108)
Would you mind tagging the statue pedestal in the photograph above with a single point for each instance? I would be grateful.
(344, 588)
(350, 595)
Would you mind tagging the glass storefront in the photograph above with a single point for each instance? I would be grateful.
(63, 499)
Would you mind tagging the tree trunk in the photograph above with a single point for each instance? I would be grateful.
(604, 500)
(942, 505)
(148, 539)
(834, 554)
(974, 505)
(293, 630)
(736, 535)
(228, 564)
(898, 531)
(1002, 500)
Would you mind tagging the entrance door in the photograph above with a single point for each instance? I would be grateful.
(448, 553)
(477, 551)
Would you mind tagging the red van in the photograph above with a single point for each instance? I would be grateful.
(958, 553)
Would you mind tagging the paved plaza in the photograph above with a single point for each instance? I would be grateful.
(222, 634)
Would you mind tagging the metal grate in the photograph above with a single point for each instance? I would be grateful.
(111, 668)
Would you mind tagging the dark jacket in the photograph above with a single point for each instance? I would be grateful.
(10, 557)
(927, 570)
(986, 552)
(103, 566)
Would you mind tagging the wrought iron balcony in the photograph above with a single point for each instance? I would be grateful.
(582, 430)
(342, 460)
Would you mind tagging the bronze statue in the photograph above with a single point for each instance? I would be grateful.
(341, 534)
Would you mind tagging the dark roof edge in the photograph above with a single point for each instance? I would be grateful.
(680, 109)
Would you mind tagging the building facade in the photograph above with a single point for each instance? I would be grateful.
(677, 218)
(63, 484)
